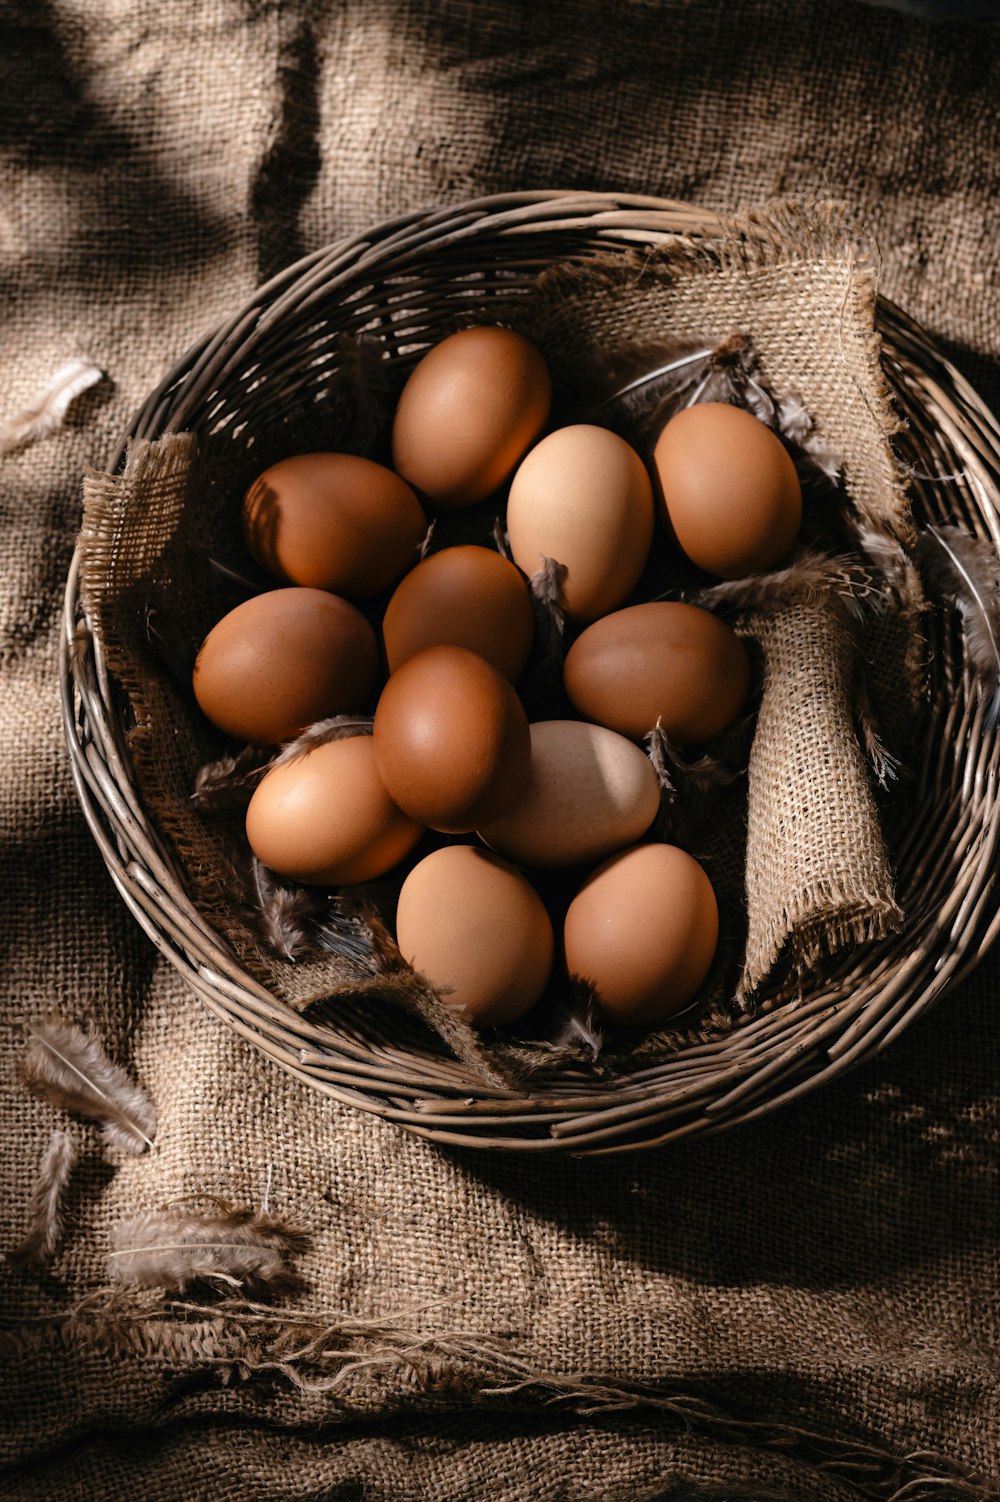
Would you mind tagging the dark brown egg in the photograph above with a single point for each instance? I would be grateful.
(451, 740)
(326, 819)
(333, 521)
(729, 489)
(468, 413)
(643, 931)
(659, 661)
(479, 933)
(462, 597)
(283, 660)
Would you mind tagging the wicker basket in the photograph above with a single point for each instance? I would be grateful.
(944, 859)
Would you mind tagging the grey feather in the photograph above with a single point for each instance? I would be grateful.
(45, 1208)
(69, 1067)
(965, 570)
(237, 1246)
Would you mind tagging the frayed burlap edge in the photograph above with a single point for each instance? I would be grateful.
(389, 1364)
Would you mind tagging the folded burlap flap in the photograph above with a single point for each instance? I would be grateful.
(800, 283)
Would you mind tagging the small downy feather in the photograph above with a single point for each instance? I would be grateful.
(45, 1208)
(811, 575)
(577, 1020)
(229, 782)
(887, 554)
(176, 654)
(965, 570)
(500, 539)
(546, 586)
(656, 750)
(885, 767)
(425, 546)
(640, 386)
(69, 1067)
(46, 412)
(362, 389)
(702, 775)
(237, 1246)
(349, 931)
(337, 727)
(287, 912)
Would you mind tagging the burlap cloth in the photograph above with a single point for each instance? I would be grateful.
(792, 1309)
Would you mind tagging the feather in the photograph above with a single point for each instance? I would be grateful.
(884, 550)
(546, 586)
(793, 419)
(656, 749)
(237, 1246)
(229, 782)
(885, 767)
(45, 1208)
(176, 653)
(338, 727)
(347, 930)
(69, 1067)
(640, 379)
(811, 575)
(362, 388)
(287, 912)
(425, 546)
(577, 1020)
(46, 412)
(500, 540)
(238, 580)
(965, 570)
(700, 776)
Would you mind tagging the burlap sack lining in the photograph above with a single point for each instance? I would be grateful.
(801, 283)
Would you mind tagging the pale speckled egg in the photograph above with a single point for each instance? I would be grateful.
(326, 819)
(589, 792)
(583, 498)
(333, 521)
(643, 931)
(462, 597)
(468, 413)
(451, 740)
(729, 489)
(478, 931)
(665, 661)
(283, 660)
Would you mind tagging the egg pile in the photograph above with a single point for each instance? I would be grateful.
(451, 748)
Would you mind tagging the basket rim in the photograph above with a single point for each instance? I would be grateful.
(829, 1029)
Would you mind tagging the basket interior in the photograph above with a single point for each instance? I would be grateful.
(274, 379)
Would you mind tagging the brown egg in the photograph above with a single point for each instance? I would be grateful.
(451, 740)
(468, 413)
(462, 597)
(583, 498)
(333, 521)
(283, 660)
(663, 660)
(326, 819)
(479, 933)
(729, 489)
(643, 931)
(589, 792)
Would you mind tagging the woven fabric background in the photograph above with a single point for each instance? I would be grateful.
(740, 1310)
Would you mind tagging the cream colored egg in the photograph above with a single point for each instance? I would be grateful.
(583, 498)
(589, 792)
